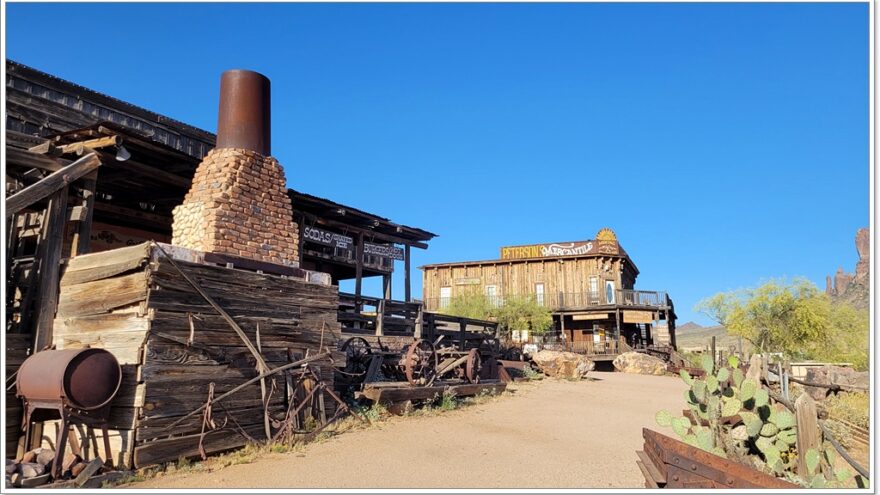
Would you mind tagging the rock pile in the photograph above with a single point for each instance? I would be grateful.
(636, 362)
(238, 205)
(559, 364)
(834, 375)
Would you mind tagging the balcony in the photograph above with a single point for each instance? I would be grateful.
(575, 300)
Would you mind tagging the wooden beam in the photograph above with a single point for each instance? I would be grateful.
(149, 219)
(101, 142)
(50, 268)
(52, 184)
(82, 236)
(358, 270)
(386, 286)
(407, 280)
(24, 158)
(353, 228)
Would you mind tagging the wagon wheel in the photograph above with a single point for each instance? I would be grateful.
(357, 355)
(420, 362)
(473, 366)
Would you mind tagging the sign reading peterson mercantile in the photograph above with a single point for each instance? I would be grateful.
(604, 243)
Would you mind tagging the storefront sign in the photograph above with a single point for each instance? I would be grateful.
(638, 317)
(605, 243)
(589, 316)
(320, 236)
(384, 250)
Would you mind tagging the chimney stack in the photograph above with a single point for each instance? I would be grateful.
(244, 119)
(238, 202)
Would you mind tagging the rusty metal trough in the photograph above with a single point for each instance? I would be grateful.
(74, 385)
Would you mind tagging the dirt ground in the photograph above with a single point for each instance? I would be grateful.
(548, 434)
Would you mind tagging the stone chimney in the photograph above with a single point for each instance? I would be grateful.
(238, 201)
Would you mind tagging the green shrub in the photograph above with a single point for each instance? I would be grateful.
(854, 407)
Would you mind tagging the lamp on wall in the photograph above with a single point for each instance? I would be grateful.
(122, 154)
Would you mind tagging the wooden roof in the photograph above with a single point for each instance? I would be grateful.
(325, 208)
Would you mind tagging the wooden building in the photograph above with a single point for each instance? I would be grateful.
(589, 286)
(87, 173)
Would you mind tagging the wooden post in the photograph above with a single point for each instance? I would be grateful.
(359, 270)
(807, 431)
(380, 318)
(407, 295)
(714, 355)
(462, 325)
(82, 236)
(419, 322)
(386, 286)
(50, 268)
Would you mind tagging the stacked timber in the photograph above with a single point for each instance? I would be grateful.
(176, 349)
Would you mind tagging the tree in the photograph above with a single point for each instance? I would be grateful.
(794, 318)
(774, 317)
(515, 313)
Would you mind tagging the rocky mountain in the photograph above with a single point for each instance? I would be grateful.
(854, 288)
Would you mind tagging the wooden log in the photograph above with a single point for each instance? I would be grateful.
(51, 184)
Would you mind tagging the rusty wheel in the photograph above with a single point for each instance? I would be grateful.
(420, 362)
(473, 366)
(357, 355)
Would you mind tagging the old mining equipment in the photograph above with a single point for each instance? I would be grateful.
(74, 385)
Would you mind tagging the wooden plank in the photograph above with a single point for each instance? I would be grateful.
(23, 158)
(807, 431)
(649, 480)
(421, 393)
(655, 474)
(52, 184)
(51, 247)
(102, 296)
(160, 451)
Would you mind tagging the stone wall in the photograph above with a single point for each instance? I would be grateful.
(238, 205)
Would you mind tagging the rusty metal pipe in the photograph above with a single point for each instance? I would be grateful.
(244, 117)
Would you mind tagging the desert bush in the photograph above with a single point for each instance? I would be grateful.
(854, 407)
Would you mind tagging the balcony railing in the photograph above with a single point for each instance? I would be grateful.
(572, 300)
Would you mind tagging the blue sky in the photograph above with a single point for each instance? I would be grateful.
(724, 143)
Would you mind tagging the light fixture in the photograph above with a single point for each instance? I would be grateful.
(122, 154)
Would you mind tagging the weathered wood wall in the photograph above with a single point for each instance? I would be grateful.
(172, 344)
(518, 277)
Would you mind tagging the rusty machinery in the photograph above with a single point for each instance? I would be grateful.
(420, 363)
(73, 385)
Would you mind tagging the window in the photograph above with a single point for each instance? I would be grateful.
(539, 293)
(593, 296)
(445, 296)
(609, 292)
(492, 295)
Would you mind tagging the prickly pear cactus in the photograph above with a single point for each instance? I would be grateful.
(731, 415)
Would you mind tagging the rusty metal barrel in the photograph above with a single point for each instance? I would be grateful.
(244, 120)
(84, 379)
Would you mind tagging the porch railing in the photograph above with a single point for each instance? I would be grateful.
(572, 300)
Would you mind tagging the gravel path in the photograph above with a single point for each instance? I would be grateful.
(548, 434)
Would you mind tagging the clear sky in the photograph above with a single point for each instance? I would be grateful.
(724, 143)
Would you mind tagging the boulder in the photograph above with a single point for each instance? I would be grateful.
(559, 364)
(31, 469)
(45, 456)
(839, 375)
(636, 362)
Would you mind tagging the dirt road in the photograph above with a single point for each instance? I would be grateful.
(549, 434)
